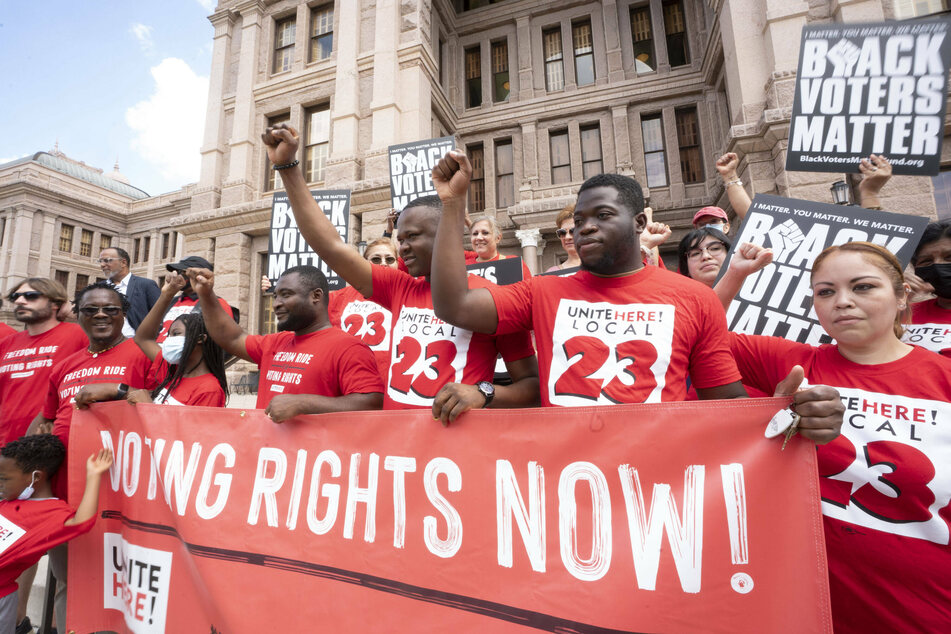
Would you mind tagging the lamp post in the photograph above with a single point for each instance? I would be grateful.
(841, 193)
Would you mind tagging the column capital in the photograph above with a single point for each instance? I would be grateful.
(528, 237)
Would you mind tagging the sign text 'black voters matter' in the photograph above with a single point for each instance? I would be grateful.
(287, 247)
(877, 88)
(411, 166)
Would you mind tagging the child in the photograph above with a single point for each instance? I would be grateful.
(31, 520)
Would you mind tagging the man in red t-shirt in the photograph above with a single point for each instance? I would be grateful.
(27, 357)
(309, 367)
(187, 300)
(615, 332)
(433, 364)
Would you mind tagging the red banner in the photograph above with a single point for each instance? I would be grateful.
(634, 518)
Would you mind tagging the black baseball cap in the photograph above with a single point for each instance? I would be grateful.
(192, 261)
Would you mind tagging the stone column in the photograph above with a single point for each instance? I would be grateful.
(384, 105)
(233, 271)
(155, 254)
(612, 40)
(745, 60)
(44, 267)
(22, 236)
(529, 161)
(238, 186)
(213, 143)
(526, 79)
(622, 140)
(530, 240)
(344, 165)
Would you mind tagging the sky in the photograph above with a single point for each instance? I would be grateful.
(108, 80)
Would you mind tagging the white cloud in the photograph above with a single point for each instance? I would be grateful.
(169, 125)
(208, 5)
(143, 34)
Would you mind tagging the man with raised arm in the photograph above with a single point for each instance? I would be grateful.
(433, 364)
(309, 367)
(616, 331)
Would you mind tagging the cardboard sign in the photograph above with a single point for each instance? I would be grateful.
(563, 272)
(287, 247)
(629, 518)
(778, 299)
(500, 272)
(411, 166)
(870, 88)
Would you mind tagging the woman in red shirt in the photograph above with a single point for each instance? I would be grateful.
(886, 480)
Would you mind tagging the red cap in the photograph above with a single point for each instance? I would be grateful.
(716, 212)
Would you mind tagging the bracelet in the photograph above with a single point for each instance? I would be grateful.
(122, 390)
(735, 181)
(287, 166)
(387, 234)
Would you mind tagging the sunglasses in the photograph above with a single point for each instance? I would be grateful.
(27, 295)
(561, 233)
(379, 259)
(92, 311)
(106, 260)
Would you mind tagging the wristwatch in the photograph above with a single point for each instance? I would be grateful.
(487, 390)
(122, 391)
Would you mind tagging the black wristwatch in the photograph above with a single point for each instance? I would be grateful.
(122, 391)
(487, 390)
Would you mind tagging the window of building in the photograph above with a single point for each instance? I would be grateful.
(66, 238)
(85, 243)
(688, 140)
(3, 228)
(317, 146)
(267, 324)
(643, 38)
(441, 56)
(652, 129)
(165, 240)
(584, 53)
(135, 250)
(554, 60)
(321, 33)
(675, 28)
(63, 278)
(591, 160)
(560, 158)
(477, 183)
(146, 245)
(82, 281)
(272, 177)
(942, 194)
(912, 8)
(174, 236)
(504, 174)
(473, 77)
(500, 70)
(284, 33)
(105, 242)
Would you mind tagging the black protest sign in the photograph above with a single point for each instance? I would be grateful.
(870, 88)
(411, 166)
(501, 272)
(563, 272)
(287, 247)
(778, 299)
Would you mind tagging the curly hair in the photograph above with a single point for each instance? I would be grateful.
(41, 452)
(103, 285)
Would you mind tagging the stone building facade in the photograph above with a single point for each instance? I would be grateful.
(541, 94)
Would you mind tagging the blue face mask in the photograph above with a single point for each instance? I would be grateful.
(719, 226)
(172, 349)
(27, 493)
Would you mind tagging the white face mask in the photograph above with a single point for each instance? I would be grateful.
(27, 493)
(719, 226)
(172, 349)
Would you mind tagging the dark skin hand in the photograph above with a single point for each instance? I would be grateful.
(820, 407)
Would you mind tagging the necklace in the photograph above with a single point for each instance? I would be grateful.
(96, 354)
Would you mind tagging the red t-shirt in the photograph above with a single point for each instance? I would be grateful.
(885, 482)
(328, 362)
(367, 321)
(29, 528)
(25, 366)
(427, 352)
(630, 339)
(6, 331)
(183, 305)
(930, 327)
(196, 390)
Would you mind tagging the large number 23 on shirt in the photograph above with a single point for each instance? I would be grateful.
(427, 354)
(369, 322)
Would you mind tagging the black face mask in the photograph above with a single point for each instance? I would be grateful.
(939, 276)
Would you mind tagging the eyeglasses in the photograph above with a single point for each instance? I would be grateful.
(27, 295)
(106, 260)
(379, 259)
(561, 233)
(92, 311)
(713, 248)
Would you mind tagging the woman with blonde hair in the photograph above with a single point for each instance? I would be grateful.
(564, 223)
(885, 482)
(485, 236)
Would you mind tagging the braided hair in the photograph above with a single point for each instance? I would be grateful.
(211, 354)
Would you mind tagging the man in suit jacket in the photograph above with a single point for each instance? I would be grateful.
(140, 291)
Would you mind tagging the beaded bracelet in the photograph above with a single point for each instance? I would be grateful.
(735, 181)
(287, 166)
